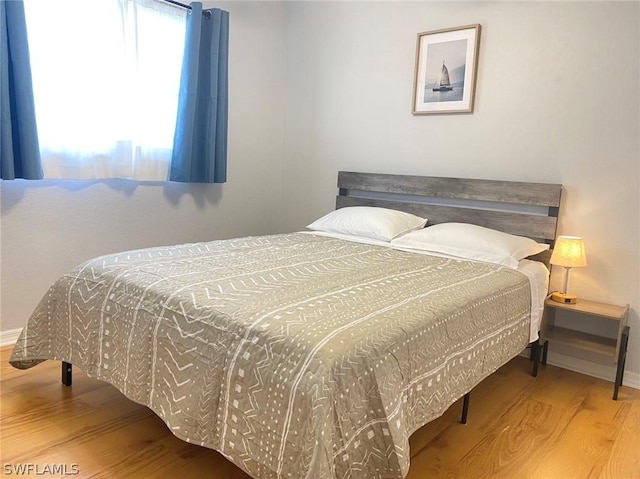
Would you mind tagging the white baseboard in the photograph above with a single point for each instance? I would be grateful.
(590, 368)
(600, 371)
(7, 338)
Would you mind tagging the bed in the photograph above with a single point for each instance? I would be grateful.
(307, 355)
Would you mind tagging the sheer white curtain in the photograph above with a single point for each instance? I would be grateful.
(106, 75)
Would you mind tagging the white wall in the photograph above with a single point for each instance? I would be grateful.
(556, 101)
(49, 227)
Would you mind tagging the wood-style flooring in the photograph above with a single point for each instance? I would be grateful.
(560, 425)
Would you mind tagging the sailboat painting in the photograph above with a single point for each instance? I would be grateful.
(445, 70)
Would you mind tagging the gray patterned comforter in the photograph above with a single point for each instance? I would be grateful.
(295, 356)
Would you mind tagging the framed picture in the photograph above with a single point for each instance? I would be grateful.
(445, 75)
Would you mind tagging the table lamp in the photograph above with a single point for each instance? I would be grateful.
(568, 252)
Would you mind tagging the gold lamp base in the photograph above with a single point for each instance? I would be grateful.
(565, 298)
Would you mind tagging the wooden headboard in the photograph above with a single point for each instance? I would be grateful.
(520, 208)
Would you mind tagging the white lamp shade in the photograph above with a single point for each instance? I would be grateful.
(569, 252)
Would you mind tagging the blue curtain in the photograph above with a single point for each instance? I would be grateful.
(19, 149)
(200, 141)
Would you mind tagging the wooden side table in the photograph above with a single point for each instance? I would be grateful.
(616, 348)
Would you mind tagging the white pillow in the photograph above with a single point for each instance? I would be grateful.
(369, 222)
(472, 242)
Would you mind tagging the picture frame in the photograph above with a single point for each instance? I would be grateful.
(445, 70)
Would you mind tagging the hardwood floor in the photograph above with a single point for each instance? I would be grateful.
(560, 425)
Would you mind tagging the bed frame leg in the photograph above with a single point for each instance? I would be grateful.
(538, 352)
(465, 408)
(66, 373)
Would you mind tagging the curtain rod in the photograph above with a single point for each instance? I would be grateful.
(174, 2)
(207, 13)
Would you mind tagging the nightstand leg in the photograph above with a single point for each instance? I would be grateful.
(622, 357)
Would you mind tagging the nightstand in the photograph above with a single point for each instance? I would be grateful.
(615, 348)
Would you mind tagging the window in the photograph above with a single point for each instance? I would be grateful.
(106, 75)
